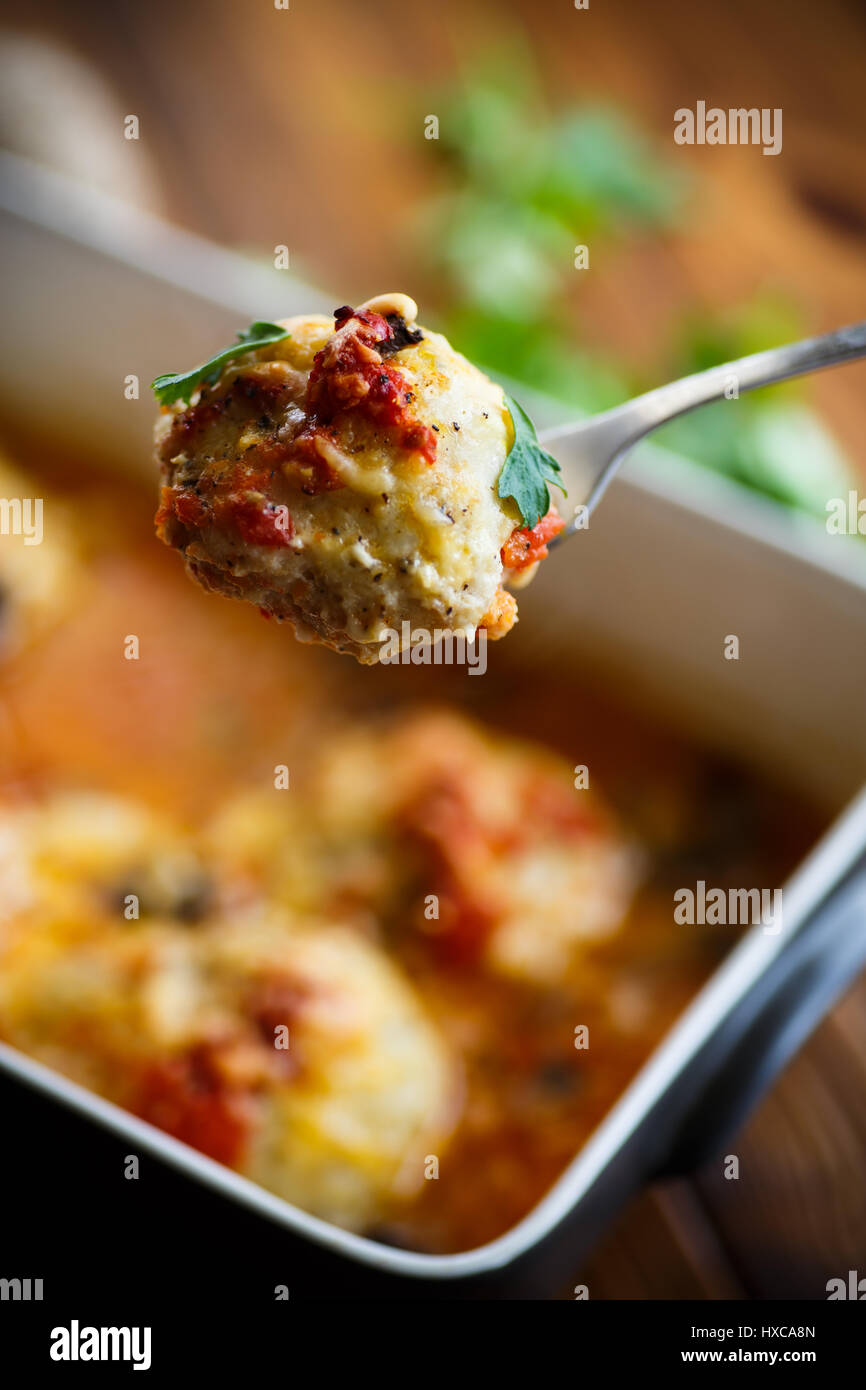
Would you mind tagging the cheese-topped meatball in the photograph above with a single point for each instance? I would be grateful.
(345, 478)
(288, 1048)
(479, 850)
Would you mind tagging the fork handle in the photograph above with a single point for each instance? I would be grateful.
(747, 373)
(611, 435)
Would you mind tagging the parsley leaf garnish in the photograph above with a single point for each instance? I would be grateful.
(528, 469)
(180, 386)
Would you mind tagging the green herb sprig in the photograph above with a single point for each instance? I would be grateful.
(180, 386)
(528, 469)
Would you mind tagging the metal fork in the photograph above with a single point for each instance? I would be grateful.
(597, 446)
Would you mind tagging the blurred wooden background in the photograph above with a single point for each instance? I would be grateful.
(305, 127)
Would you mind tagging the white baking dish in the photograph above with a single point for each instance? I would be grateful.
(674, 561)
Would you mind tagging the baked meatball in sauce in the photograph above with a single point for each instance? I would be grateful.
(344, 478)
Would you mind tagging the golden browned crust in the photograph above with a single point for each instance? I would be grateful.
(500, 616)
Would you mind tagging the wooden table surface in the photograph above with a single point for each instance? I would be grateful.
(304, 127)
